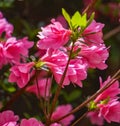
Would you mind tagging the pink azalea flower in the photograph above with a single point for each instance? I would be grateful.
(56, 60)
(107, 104)
(5, 27)
(10, 124)
(15, 49)
(30, 122)
(61, 111)
(3, 60)
(93, 33)
(53, 36)
(110, 92)
(95, 56)
(21, 74)
(110, 111)
(44, 87)
(62, 20)
(75, 73)
(40, 53)
(7, 118)
(95, 118)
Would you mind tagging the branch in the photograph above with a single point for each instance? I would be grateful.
(90, 6)
(111, 33)
(78, 120)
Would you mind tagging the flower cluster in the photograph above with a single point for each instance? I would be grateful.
(12, 50)
(92, 54)
(55, 42)
(106, 105)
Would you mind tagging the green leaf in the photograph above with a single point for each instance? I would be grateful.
(72, 96)
(83, 21)
(76, 19)
(11, 89)
(66, 16)
(27, 26)
(8, 87)
(26, 115)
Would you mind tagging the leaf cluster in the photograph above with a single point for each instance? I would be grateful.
(77, 20)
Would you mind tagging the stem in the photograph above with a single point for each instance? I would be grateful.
(90, 6)
(46, 100)
(79, 119)
(111, 33)
(39, 96)
(60, 84)
(112, 80)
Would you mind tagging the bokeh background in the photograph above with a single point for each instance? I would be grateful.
(28, 16)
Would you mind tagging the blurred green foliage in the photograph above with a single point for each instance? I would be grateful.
(6, 3)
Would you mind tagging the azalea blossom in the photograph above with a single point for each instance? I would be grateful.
(55, 58)
(7, 118)
(107, 104)
(10, 124)
(30, 122)
(34, 122)
(93, 33)
(95, 118)
(110, 111)
(61, 111)
(62, 20)
(95, 56)
(111, 92)
(56, 61)
(11, 49)
(53, 36)
(3, 60)
(21, 73)
(14, 49)
(5, 27)
(76, 72)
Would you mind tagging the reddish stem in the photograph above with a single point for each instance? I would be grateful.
(90, 6)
